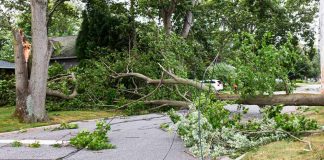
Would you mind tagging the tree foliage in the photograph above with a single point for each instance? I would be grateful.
(105, 28)
(220, 134)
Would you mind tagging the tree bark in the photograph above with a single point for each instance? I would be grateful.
(176, 80)
(188, 22)
(21, 75)
(182, 104)
(41, 56)
(167, 22)
(166, 14)
(297, 99)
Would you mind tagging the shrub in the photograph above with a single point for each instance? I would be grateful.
(7, 92)
(55, 69)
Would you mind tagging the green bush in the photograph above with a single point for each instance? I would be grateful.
(7, 92)
(55, 69)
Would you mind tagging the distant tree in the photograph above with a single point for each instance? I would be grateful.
(106, 26)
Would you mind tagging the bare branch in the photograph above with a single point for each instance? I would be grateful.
(159, 85)
(181, 104)
(181, 95)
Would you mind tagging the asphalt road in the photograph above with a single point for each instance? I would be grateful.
(136, 138)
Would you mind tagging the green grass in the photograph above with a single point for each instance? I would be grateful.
(57, 145)
(34, 145)
(294, 150)
(9, 123)
(290, 150)
(16, 144)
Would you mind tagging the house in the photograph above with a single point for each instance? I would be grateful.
(7, 67)
(64, 54)
(65, 51)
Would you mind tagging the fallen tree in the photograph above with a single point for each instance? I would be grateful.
(285, 99)
(297, 99)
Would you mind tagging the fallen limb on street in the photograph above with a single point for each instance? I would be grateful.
(291, 99)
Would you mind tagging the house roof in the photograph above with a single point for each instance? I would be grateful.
(6, 65)
(67, 47)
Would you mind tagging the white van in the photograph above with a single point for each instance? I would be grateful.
(216, 84)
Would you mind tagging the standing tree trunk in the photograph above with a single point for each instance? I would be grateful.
(167, 24)
(166, 14)
(188, 22)
(321, 41)
(40, 61)
(21, 74)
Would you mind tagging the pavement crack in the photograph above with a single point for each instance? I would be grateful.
(68, 134)
(70, 154)
(146, 119)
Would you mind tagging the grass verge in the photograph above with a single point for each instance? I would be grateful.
(9, 123)
(294, 150)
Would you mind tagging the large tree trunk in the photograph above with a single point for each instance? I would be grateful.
(166, 14)
(21, 75)
(187, 24)
(40, 62)
(297, 99)
(167, 24)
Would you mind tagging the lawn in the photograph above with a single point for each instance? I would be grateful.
(9, 123)
(294, 150)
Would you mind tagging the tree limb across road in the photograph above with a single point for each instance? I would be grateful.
(297, 99)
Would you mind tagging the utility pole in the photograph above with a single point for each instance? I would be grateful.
(321, 42)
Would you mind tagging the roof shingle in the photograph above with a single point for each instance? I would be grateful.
(6, 65)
